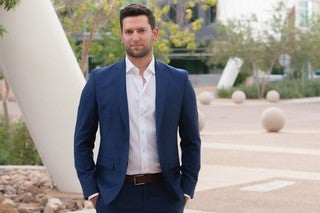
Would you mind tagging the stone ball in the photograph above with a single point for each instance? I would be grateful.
(205, 97)
(273, 96)
(273, 119)
(238, 97)
(201, 120)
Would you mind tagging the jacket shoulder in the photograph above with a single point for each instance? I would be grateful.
(171, 70)
(107, 70)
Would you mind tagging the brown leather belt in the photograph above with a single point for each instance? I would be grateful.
(144, 178)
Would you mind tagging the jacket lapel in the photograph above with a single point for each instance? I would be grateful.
(121, 93)
(161, 91)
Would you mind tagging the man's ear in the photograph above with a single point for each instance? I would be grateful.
(155, 32)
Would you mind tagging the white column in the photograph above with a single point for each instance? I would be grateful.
(230, 73)
(40, 66)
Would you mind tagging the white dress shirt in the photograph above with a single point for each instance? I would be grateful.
(143, 151)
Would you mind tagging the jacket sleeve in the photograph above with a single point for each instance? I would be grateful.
(190, 140)
(84, 138)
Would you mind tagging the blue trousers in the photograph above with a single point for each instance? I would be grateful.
(147, 198)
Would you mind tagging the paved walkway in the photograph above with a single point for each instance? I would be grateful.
(246, 169)
(186, 211)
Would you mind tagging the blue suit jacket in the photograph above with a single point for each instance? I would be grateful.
(104, 102)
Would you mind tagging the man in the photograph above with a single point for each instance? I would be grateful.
(139, 104)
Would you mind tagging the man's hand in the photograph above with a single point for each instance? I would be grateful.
(94, 200)
(186, 200)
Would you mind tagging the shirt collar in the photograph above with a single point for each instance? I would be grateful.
(130, 66)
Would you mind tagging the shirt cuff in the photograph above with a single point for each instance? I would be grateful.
(188, 196)
(92, 196)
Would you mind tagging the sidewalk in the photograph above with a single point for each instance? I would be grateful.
(246, 169)
(185, 211)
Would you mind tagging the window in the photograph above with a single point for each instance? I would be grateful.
(195, 13)
(173, 12)
(213, 14)
(305, 12)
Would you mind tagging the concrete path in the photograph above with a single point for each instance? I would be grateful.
(186, 211)
(245, 169)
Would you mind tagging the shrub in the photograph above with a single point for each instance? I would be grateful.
(287, 89)
(224, 93)
(296, 88)
(250, 91)
(311, 88)
(19, 148)
(242, 76)
(4, 155)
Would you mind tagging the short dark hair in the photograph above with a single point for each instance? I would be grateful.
(137, 10)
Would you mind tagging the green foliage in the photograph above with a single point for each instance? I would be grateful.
(2, 31)
(260, 48)
(250, 91)
(287, 89)
(311, 88)
(296, 88)
(8, 5)
(180, 33)
(307, 47)
(242, 76)
(108, 48)
(84, 19)
(4, 154)
(236, 38)
(224, 93)
(81, 18)
(19, 148)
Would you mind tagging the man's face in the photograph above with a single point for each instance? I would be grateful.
(137, 36)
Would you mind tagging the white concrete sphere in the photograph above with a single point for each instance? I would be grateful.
(273, 119)
(201, 120)
(273, 96)
(238, 96)
(205, 97)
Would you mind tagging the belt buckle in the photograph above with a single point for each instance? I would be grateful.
(135, 180)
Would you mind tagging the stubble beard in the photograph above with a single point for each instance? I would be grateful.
(138, 54)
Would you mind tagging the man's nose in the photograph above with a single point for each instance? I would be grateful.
(135, 35)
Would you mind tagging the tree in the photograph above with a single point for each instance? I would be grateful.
(172, 34)
(306, 55)
(105, 47)
(82, 19)
(180, 32)
(259, 49)
(8, 5)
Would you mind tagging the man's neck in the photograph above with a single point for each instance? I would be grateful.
(141, 63)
